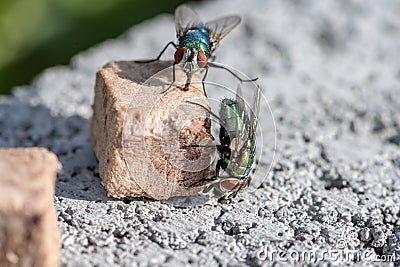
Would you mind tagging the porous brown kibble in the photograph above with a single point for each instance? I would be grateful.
(139, 132)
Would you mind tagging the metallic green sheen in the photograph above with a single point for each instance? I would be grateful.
(229, 115)
(240, 164)
(196, 37)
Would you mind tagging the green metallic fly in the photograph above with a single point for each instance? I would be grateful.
(196, 44)
(237, 148)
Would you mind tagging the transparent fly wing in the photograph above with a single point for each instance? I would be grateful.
(242, 119)
(240, 102)
(220, 27)
(185, 17)
(254, 112)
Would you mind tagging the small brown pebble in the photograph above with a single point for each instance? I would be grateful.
(29, 233)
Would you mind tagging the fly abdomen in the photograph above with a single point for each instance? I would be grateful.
(240, 165)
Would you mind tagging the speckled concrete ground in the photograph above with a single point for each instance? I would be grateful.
(331, 72)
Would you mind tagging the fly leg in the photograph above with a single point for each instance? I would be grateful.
(188, 80)
(213, 178)
(202, 81)
(244, 182)
(206, 180)
(158, 58)
(159, 55)
(201, 181)
(173, 78)
(231, 194)
(212, 64)
(255, 166)
(207, 109)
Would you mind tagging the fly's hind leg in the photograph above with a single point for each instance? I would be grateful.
(188, 80)
(244, 182)
(202, 81)
(214, 65)
(211, 178)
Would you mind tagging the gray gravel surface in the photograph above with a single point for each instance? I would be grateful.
(331, 72)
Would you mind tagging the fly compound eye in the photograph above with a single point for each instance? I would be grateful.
(179, 55)
(201, 59)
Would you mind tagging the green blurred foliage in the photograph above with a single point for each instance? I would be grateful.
(35, 34)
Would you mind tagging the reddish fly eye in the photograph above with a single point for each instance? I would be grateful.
(201, 59)
(230, 184)
(179, 55)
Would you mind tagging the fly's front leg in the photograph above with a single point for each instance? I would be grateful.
(188, 80)
(159, 55)
(173, 79)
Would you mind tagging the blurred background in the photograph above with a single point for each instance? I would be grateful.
(36, 34)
